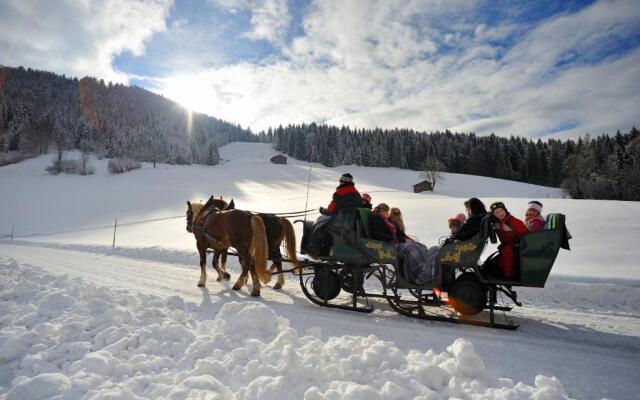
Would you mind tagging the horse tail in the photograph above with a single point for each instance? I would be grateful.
(290, 241)
(259, 249)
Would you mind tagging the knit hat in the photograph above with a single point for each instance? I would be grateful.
(498, 204)
(366, 197)
(455, 221)
(458, 219)
(536, 205)
(346, 178)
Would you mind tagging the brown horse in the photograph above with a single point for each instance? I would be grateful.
(231, 228)
(279, 229)
(219, 256)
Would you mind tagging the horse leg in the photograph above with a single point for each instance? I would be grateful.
(224, 266)
(216, 266)
(242, 279)
(202, 249)
(280, 282)
(255, 281)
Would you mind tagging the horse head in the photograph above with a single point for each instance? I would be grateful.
(218, 203)
(189, 218)
(193, 209)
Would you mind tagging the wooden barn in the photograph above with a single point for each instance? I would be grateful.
(423, 187)
(279, 159)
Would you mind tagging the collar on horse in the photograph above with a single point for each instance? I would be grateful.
(200, 222)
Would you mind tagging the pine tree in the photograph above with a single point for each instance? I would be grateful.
(213, 155)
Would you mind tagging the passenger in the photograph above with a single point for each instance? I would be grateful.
(345, 196)
(476, 212)
(509, 230)
(533, 219)
(398, 223)
(456, 222)
(380, 227)
(366, 200)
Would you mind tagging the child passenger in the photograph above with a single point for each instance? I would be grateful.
(533, 219)
(456, 222)
(509, 230)
(366, 200)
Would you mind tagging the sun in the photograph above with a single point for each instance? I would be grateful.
(189, 91)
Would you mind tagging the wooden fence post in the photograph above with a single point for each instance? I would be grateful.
(12, 226)
(115, 226)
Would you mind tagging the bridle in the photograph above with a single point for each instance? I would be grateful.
(190, 220)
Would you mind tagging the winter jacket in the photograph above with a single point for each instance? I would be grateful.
(509, 231)
(345, 196)
(381, 228)
(535, 224)
(469, 229)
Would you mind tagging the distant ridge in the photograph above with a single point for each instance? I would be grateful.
(39, 109)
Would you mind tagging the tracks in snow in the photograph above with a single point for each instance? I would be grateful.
(605, 346)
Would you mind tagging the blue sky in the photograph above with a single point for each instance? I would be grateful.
(532, 68)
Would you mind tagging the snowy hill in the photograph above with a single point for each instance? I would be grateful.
(80, 318)
(43, 207)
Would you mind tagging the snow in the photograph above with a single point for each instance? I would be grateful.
(149, 347)
(150, 204)
(80, 319)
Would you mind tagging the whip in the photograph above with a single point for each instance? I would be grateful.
(306, 203)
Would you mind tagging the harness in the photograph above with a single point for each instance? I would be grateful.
(200, 222)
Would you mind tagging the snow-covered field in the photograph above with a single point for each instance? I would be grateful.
(79, 319)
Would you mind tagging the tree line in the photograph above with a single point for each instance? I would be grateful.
(40, 109)
(604, 167)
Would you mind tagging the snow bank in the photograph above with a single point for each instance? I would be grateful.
(65, 338)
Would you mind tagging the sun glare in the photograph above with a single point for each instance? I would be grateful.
(198, 93)
(188, 91)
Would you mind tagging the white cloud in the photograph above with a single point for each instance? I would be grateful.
(269, 18)
(77, 37)
(408, 63)
(376, 63)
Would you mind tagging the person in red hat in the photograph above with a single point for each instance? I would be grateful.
(532, 218)
(456, 222)
(509, 230)
(366, 200)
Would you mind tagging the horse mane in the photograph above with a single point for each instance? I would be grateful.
(196, 206)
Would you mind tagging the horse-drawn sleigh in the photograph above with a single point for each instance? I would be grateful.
(360, 268)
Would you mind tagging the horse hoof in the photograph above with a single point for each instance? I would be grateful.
(227, 276)
(255, 294)
(277, 286)
(201, 285)
(218, 279)
(236, 287)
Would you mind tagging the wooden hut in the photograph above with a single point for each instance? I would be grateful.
(279, 159)
(423, 187)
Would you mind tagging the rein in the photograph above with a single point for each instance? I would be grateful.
(292, 214)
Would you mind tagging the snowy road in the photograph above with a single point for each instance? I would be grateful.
(566, 330)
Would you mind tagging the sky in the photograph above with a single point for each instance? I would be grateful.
(530, 68)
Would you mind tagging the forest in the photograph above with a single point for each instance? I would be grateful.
(603, 167)
(41, 110)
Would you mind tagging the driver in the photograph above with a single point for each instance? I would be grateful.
(345, 196)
